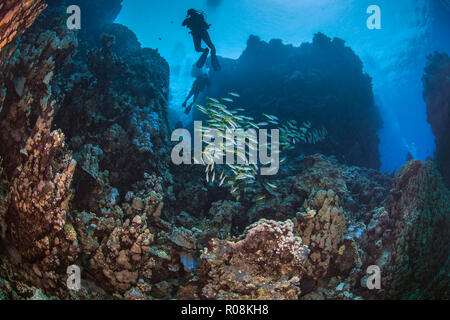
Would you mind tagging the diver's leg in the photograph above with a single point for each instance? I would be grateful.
(214, 61)
(196, 94)
(198, 47)
(198, 44)
(188, 109)
(191, 93)
(207, 39)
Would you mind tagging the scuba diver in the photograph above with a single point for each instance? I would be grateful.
(199, 85)
(199, 30)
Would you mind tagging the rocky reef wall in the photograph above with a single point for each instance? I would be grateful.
(436, 81)
(322, 81)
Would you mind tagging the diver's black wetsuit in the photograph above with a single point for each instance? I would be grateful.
(199, 30)
(199, 85)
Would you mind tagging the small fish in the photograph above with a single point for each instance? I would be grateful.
(253, 125)
(238, 177)
(227, 99)
(270, 117)
(271, 185)
(227, 112)
(222, 181)
(261, 198)
(234, 94)
(214, 100)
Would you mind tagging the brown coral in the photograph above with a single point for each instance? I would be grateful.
(123, 257)
(321, 227)
(267, 264)
(16, 16)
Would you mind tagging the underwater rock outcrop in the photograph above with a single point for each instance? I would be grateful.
(436, 81)
(419, 217)
(40, 196)
(54, 211)
(322, 82)
(267, 264)
(346, 218)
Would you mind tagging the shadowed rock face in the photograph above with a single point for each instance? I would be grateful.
(85, 179)
(322, 82)
(16, 17)
(436, 83)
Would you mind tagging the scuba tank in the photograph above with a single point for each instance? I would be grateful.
(198, 21)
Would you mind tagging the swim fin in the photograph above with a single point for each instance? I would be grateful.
(188, 109)
(215, 63)
(201, 62)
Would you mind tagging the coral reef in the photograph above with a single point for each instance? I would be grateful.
(86, 178)
(15, 18)
(41, 185)
(29, 72)
(267, 264)
(123, 257)
(321, 227)
(437, 96)
(4, 200)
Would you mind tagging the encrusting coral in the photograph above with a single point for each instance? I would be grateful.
(267, 264)
(40, 195)
(321, 227)
(437, 96)
(124, 256)
(4, 201)
(419, 215)
(16, 17)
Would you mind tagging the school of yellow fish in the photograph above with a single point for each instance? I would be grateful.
(224, 119)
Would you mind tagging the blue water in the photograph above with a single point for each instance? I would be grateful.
(394, 56)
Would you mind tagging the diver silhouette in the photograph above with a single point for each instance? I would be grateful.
(198, 86)
(196, 22)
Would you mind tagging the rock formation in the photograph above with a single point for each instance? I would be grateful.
(437, 96)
